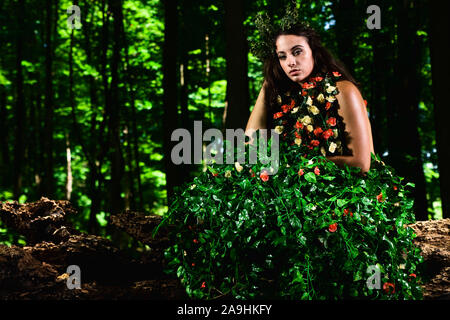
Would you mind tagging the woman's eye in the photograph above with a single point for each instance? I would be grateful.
(282, 57)
(296, 52)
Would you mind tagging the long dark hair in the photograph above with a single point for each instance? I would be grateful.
(276, 82)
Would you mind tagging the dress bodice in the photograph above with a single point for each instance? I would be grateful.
(309, 118)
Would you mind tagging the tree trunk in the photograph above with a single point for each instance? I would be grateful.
(238, 111)
(132, 134)
(19, 146)
(405, 149)
(94, 183)
(347, 21)
(49, 181)
(117, 161)
(377, 105)
(439, 35)
(170, 117)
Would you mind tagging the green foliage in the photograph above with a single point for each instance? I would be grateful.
(243, 237)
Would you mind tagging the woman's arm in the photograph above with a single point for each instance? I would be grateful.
(357, 124)
(258, 117)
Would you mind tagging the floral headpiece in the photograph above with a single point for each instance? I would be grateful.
(263, 46)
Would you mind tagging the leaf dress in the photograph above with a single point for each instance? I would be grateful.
(312, 230)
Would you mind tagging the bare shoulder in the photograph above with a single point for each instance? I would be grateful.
(349, 95)
(347, 88)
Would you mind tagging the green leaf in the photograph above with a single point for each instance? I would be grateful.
(310, 177)
(341, 202)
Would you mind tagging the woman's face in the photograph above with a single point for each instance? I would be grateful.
(295, 56)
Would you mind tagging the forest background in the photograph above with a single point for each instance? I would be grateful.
(86, 114)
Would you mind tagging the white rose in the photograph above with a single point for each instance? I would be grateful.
(330, 98)
(298, 141)
(279, 129)
(227, 174)
(193, 187)
(320, 98)
(310, 128)
(309, 101)
(332, 147)
(314, 110)
(238, 166)
(330, 89)
(310, 162)
(322, 150)
(306, 120)
(294, 110)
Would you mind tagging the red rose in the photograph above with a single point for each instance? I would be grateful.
(195, 241)
(387, 286)
(252, 173)
(332, 227)
(317, 79)
(314, 143)
(380, 197)
(331, 121)
(307, 85)
(203, 284)
(327, 105)
(318, 131)
(304, 93)
(193, 264)
(264, 176)
(395, 188)
(365, 103)
(278, 115)
(286, 108)
(316, 170)
(300, 172)
(327, 134)
(298, 125)
(336, 74)
(297, 135)
(347, 211)
(215, 174)
(413, 275)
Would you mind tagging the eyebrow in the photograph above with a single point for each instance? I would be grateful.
(297, 45)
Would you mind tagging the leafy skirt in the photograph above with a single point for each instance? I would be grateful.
(313, 230)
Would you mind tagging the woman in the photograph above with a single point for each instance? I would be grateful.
(298, 56)
(316, 229)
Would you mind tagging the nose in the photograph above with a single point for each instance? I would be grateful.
(291, 61)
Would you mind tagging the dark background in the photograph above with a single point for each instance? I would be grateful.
(86, 114)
